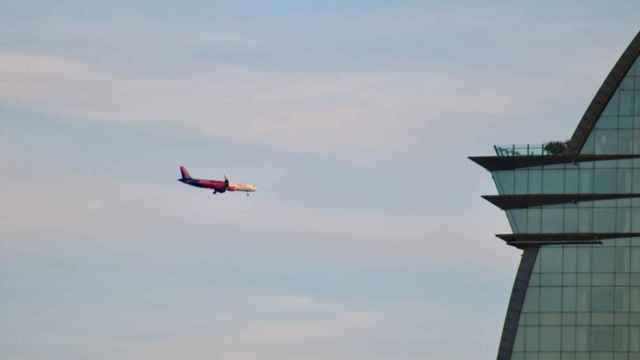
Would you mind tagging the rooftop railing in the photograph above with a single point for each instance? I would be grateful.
(524, 150)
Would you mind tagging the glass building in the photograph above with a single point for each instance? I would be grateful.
(574, 210)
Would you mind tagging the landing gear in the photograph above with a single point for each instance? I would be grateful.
(214, 192)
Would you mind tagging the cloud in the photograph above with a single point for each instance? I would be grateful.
(238, 324)
(145, 216)
(434, 85)
(302, 112)
(334, 331)
(257, 82)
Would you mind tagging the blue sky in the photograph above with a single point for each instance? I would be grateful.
(367, 234)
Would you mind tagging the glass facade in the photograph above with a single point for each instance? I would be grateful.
(604, 216)
(583, 302)
(579, 301)
(617, 131)
(589, 177)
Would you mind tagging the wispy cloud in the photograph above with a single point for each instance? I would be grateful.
(254, 323)
(75, 207)
(303, 112)
(248, 82)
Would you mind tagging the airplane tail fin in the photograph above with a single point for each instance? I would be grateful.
(184, 172)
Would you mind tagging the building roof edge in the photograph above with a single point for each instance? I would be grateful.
(604, 95)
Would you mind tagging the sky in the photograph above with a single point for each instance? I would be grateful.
(367, 237)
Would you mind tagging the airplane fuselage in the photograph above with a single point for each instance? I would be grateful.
(218, 185)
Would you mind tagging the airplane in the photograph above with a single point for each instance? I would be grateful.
(218, 186)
